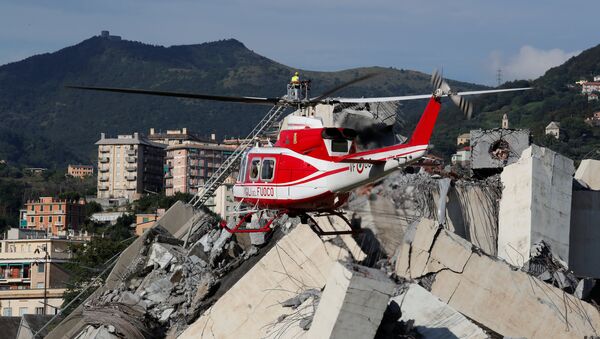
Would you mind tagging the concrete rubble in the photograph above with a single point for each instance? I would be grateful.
(506, 255)
(587, 173)
(352, 303)
(496, 148)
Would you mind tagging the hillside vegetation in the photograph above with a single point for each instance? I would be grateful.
(45, 124)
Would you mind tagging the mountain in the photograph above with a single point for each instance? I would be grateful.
(44, 124)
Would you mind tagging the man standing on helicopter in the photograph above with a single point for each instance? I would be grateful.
(295, 85)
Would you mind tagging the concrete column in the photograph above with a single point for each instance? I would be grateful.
(352, 303)
(535, 205)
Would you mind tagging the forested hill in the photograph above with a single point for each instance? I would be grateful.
(44, 124)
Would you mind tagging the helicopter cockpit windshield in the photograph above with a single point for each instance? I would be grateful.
(243, 166)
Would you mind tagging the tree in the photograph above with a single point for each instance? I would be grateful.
(89, 259)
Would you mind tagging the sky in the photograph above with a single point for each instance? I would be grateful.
(469, 39)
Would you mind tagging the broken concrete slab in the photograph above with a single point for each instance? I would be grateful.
(176, 218)
(352, 304)
(489, 291)
(588, 172)
(102, 332)
(496, 148)
(249, 309)
(477, 203)
(160, 254)
(337, 224)
(584, 288)
(535, 205)
(433, 318)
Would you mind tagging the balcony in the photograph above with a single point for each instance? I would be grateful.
(131, 160)
(103, 159)
(130, 168)
(130, 177)
(103, 187)
(104, 149)
(103, 178)
(131, 152)
(103, 169)
(169, 185)
(168, 175)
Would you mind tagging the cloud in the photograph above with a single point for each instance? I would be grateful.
(529, 63)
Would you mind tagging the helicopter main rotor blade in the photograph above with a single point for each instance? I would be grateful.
(344, 85)
(246, 100)
(423, 96)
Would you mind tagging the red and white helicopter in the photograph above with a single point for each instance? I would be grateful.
(312, 168)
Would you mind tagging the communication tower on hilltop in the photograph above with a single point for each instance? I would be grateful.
(499, 76)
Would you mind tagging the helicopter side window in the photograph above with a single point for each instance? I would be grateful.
(267, 170)
(254, 169)
(339, 145)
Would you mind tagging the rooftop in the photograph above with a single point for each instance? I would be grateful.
(135, 139)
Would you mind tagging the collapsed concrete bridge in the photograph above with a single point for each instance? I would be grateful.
(510, 255)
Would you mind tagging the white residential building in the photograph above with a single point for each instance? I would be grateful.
(129, 166)
(553, 129)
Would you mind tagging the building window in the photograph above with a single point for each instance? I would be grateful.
(22, 311)
(7, 312)
(32, 220)
(40, 285)
(40, 269)
(41, 219)
(50, 219)
(49, 207)
(59, 218)
(39, 310)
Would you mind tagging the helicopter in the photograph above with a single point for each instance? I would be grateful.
(312, 168)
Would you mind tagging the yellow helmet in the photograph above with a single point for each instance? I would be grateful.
(296, 73)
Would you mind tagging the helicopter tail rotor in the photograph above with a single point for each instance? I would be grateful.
(441, 87)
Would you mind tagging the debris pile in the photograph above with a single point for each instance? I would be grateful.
(429, 264)
(165, 286)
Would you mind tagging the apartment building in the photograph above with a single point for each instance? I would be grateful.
(178, 137)
(80, 171)
(32, 280)
(188, 166)
(590, 87)
(54, 216)
(223, 202)
(129, 166)
(144, 221)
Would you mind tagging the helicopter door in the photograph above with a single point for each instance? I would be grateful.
(267, 175)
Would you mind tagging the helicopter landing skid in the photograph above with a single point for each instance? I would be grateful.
(246, 219)
(319, 231)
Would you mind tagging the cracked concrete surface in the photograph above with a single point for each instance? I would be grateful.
(491, 292)
(251, 307)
